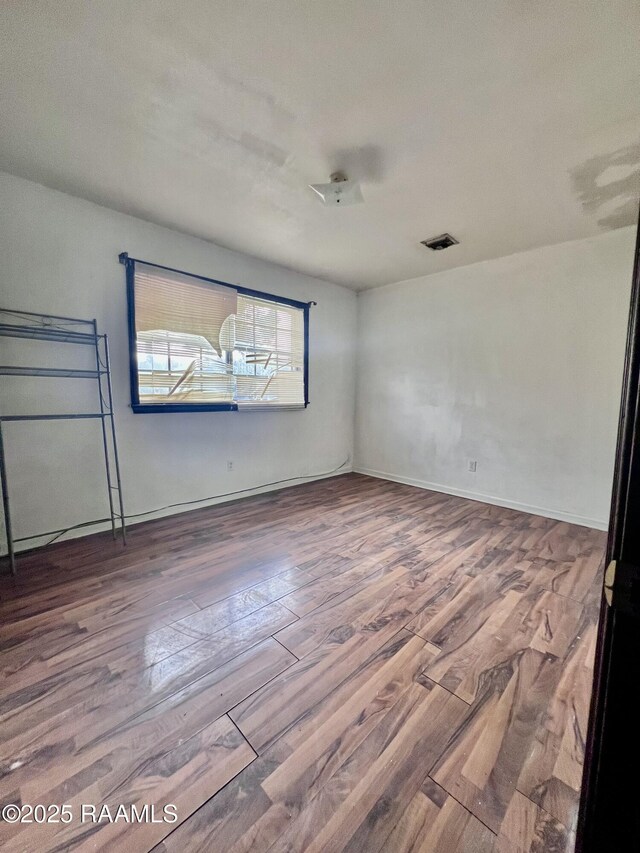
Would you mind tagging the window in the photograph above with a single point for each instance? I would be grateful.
(201, 345)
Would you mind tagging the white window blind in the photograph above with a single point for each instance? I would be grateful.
(199, 343)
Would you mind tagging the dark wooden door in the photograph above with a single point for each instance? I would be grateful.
(609, 818)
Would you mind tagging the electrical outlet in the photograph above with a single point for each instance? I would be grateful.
(472, 466)
(229, 466)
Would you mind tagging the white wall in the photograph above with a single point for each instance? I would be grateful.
(516, 363)
(59, 254)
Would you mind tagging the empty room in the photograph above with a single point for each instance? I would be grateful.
(319, 426)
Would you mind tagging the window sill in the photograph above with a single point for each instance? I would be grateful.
(156, 408)
(165, 408)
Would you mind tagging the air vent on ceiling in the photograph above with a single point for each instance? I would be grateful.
(437, 244)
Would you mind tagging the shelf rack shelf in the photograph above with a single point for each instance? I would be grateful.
(47, 333)
(58, 417)
(9, 370)
(53, 328)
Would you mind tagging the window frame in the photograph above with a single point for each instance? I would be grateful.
(156, 408)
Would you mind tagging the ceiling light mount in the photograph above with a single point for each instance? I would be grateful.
(340, 192)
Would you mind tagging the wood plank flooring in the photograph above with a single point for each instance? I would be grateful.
(349, 665)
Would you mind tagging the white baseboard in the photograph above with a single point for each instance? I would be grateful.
(559, 515)
(37, 542)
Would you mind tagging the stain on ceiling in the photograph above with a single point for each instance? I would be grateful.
(607, 186)
(509, 125)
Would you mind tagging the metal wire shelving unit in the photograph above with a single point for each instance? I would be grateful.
(68, 330)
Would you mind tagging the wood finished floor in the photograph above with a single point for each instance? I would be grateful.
(349, 665)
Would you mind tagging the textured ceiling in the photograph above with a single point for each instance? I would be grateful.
(510, 124)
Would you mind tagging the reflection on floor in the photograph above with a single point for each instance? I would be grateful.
(348, 665)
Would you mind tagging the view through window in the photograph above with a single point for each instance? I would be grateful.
(203, 344)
